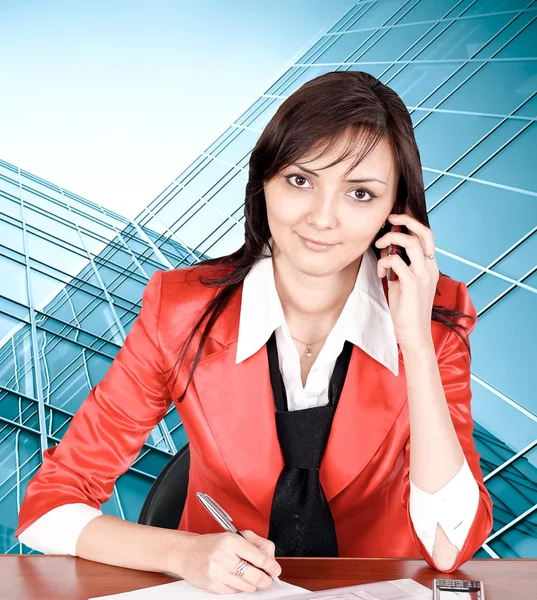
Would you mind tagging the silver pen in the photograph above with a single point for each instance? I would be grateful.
(225, 520)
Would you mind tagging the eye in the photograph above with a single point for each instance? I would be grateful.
(362, 199)
(298, 178)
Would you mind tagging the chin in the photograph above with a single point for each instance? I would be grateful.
(315, 266)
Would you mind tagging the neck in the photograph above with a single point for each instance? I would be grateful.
(304, 296)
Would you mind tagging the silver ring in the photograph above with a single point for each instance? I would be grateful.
(241, 568)
(430, 256)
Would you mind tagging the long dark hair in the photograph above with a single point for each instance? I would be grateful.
(316, 116)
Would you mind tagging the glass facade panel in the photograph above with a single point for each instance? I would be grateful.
(454, 41)
(483, 208)
(505, 424)
(516, 164)
(379, 13)
(37, 202)
(209, 176)
(488, 289)
(11, 208)
(16, 362)
(238, 147)
(460, 132)
(351, 17)
(502, 341)
(11, 236)
(10, 187)
(231, 194)
(519, 541)
(264, 116)
(20, 460)
(416, 82)
(175, 207)
(14, 273)
(491, 6)
(521, 260)
(529, 108)
(514, 90)
(132, 488)
(392, 43)
(91, 225)
(341, 48)
(226, 239)
(48, 249)
(206, 219)
(427, 11)
(300, 76)
(44, 222)
(517, 478)
(497, 138)
(504, 44)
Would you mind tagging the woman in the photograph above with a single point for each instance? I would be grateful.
(327, 409)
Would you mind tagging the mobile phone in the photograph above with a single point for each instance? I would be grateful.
(458, 589)
(394, 248)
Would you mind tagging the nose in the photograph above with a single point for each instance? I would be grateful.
(322, 212)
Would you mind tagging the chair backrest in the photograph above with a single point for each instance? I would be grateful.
(166, 499)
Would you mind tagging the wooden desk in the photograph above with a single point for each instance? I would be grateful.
(38, 577)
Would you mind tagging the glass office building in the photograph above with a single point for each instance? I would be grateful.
(72, 272)
(72, 275)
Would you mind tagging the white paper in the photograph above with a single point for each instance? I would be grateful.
(182, 590)
(399, 589)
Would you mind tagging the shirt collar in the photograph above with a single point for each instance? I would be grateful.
(365, 320)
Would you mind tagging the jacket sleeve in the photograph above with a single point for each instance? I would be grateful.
(109, 429)
(454, 367)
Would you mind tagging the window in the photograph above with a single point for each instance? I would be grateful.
(516, 86)
(502, 341)
(464, 38)
(515, 165)
(443, 137)
(15, 274)
(392, 43)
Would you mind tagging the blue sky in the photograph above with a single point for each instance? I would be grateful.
(112, 100)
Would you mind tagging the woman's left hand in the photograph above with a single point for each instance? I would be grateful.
(411, 296)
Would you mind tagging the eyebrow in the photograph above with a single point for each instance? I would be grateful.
(347, 180)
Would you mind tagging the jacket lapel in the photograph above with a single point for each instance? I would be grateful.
(370, 402)
(239, 406)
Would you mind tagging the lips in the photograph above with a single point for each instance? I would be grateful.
(317, 241)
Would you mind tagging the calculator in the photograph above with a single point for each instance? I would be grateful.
(458, 589)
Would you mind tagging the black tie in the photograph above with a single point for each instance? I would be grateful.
(301, 523)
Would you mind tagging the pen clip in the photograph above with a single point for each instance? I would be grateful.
(217, 512)
(219, 508)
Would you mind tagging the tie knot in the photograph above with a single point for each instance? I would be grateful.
(303, 435)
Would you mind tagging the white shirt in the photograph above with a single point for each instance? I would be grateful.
(365, 321)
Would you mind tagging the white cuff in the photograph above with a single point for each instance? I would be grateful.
(57, 531)
(454, 507)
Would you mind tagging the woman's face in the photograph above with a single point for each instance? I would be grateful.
(326, 207)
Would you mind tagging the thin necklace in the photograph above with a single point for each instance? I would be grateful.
(308, 346)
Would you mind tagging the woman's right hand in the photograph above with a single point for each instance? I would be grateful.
(209, 561)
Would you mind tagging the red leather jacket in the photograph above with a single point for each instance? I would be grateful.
(228, 415)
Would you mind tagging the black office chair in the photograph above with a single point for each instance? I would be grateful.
(166, 499)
